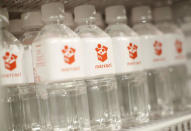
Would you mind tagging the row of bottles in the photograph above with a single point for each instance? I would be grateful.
(60, 74)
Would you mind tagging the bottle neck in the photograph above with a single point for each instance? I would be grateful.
(164, 21)
(86, 22)
(143, 22)
(33, 29)
(117, 22)
(55, 21)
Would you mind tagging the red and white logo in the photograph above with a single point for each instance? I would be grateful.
(69, 54)
(10, 61)
(132, 50)
(158, 48)
(178, 45)
(101, 52)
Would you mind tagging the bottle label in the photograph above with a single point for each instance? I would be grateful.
(176, 49)
(11, 65)
(98, 56)
(127, 54)
(154, 51)
(57, 59)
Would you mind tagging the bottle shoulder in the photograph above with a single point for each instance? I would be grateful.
(90, 31)
(116, 30)
(146, 29)
(9, 39)
(28, 37)
(167, 28)
(186, 28)
(55, 30)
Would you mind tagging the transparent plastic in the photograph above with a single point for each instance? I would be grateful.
(158, 79)
(5, 119)
(102, 89)
(27, 92)
(63, 104)
(15, 108)
(186, 28)
(132, 87)
(12, 92)
(178, 73)
(5, 122)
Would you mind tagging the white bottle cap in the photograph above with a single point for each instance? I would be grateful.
(115, 14)
(84, 13)
(4, 17)
(68, 19)
(141, 14)
(99, 20)
(32, 20)
(52, 11)
(162, 14)
(15, 26)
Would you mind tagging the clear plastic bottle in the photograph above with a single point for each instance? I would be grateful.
(58, 64)
(15, 27)
(99, 20)
(31, 24)
(5, 121)
(186, 28)
(69, 20)
(12, 75)
(155, 62)
(178, 71)
(131, 79)
(99, 69)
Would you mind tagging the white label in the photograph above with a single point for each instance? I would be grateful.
(176, 49)
(127, 54)
(98, 56)
(154, 51)
(11, 65)
(57, 59)
(28, 65)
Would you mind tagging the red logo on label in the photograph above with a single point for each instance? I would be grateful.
(158, 48)
(178, 46)
(101, 52)
(69, 54)
(10, 61)
(132, 50)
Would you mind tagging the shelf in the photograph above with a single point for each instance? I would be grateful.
(181, 122)
(23, 5)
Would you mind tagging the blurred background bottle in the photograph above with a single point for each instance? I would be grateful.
(131, 79)
(99, 69)
(156, 64)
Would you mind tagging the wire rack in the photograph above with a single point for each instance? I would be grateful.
(180, 122)
(23, 5)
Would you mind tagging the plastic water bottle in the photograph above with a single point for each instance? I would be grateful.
(31, 24)
(131, 79)
(186, 28)
(154, 56)
(99, 71)
(12, 75)
(5, 121)
(177, 56)
(58, 64)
